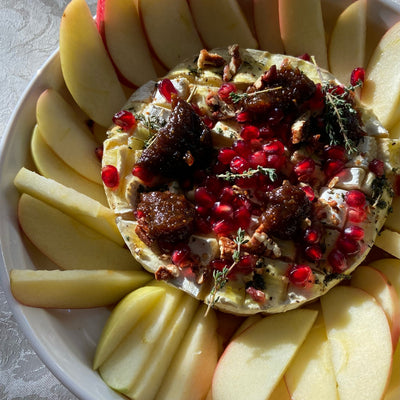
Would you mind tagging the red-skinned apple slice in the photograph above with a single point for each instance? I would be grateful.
(305, 34)
(360, 341)
(258, 358)
(377, 285)
(86, 66)
(268, 34)
(222, 23)
(170, 30)
(390, 267)
(119, 25)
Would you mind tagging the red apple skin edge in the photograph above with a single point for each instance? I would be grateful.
(100, 17)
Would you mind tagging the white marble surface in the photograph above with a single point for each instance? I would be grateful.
(28, 36)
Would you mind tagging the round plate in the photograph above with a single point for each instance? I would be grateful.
(65, 340)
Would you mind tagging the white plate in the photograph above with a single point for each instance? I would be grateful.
(66, 340)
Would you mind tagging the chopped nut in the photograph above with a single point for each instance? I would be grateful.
(166, 272)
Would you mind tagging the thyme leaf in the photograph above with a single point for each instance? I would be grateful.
(221, 277)
(230, 176)
(237, 97)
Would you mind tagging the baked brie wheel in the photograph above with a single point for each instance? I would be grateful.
(252, 181)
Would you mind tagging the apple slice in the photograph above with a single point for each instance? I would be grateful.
(151, 377)
(67, 242)
(170, 30)
(198, 352)
(74, 288)
(253, 364)
(393, 389)
(360, 340)
(119, 25)
(268, 34)
(52, 167)
(305, 34)
(86, 66)
(122, 369)
(222, 23)
(381, 91)
(86, 210)
(131, 309)
(280, 392)
(393, 221)
(377, 285)
(390, 267)
(310, 375)
(389, 241)
(67, 135)
(347, 43)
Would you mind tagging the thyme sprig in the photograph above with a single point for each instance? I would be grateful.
(152, 124)
(230, 176)
(237, 97)
(338, 110)
(221, 277)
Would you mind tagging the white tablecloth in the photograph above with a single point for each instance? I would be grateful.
(28, 36)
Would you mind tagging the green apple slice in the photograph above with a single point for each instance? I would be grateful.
(74, 288)
(128, 312)
(67, 242)
(86, 210)
(53, 167)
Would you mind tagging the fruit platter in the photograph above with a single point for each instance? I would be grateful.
(202, 201)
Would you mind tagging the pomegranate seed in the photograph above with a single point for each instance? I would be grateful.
(242, 148)
(181, 256)
(348, 246)
(305, 57)
(221, 211)
(225, 155)
(213, 184)
(202, 211)
(333, 167)
(246, 263)
(304, 167)
(354, 232)
(309, 191)
(223, 227)
(336, 152)
(355, 198)
(313, 252)
(167, 89)
(250, 182)
(227, 195)
(219, 168)
(143, 174)
(318, 100)
(337, 90)
(312, 235)
(242, 217)
(139, 214)
(377, 167)
(124, 119)
(258, 158)
(300, 275)
(357, 75)
(241, 201)
(356, 215)
(266, 132)
(203, 197)
(275, 161)
(250, 132)
(337, 260)
(275, 147)
(257, 295)
(225, 90)
(239, 165)
(202, 225)
(98, 151)
(243, 116)
(208, 122)
(110, 176)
